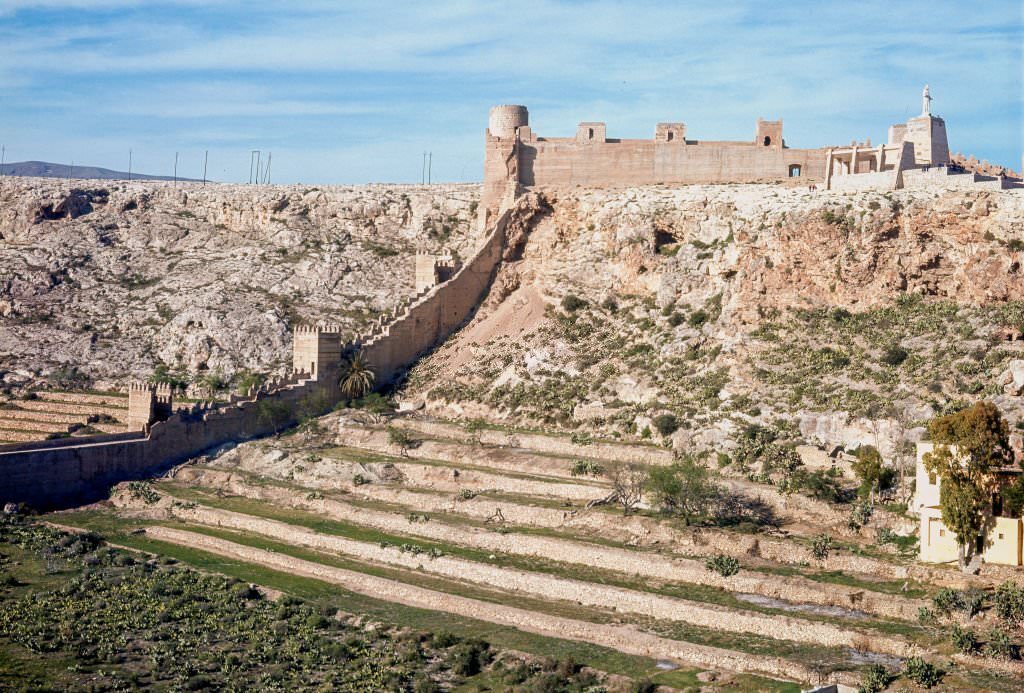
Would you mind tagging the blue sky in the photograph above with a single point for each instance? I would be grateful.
(350, 92)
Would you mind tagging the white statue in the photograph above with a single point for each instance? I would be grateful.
(926, 101)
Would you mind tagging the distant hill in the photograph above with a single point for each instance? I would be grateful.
(44, 169)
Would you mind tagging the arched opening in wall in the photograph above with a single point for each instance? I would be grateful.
(671, 136)
(590, 133)
(767, 140)
(794, 170)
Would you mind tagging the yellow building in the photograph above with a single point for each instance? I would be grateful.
(1004, 543)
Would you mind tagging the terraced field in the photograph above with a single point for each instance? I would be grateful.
(491, 532)
(50, 414)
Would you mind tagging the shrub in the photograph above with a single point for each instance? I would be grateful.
(586, 468)
(375, 403)
(1009, 603)
(894, 355)
(860, 515)
(698, 318)
(968, 602)
(666, 424)
(875, 679)
(401, 439)
(921, 672)
(1000, 647)
(141, 490)
(964, 640)
(572, 303)
(726, 566)
(821, 546)
(470, 657)
(359, 480)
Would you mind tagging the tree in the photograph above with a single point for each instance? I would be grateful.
(273, 413)
(357, 377)
(1013, 498)
(402, 440)
(869, 469)
(628, 482)
(684, 488)
(969, 445)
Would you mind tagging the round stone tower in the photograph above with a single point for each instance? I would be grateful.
(504, 120)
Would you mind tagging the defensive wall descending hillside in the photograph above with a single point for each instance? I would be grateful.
(60, 472)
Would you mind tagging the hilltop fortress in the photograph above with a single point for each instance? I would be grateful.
(915, 155)
(448, 291)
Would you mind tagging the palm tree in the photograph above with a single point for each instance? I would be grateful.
(357, 378)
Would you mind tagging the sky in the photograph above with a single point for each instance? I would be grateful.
(346, 91)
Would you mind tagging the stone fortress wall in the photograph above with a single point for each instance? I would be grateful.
(57, 472)
(514, 154)
(54, 472)
(916, 155)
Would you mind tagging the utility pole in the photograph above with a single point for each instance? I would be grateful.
(266, 176)
(71, 171)
(423, 170)
(129, 165)
(175, 169)
(206, 156)
(3, 159)
(254, 165)
(430, 166)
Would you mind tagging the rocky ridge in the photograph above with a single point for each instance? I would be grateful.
(103, 282)
(731, 305)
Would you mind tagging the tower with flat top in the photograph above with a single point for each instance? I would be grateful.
(927, 132)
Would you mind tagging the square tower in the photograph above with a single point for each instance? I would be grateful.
(768, 133)
(928, 135)
(670, 132)
(588, 133)
(316, 350)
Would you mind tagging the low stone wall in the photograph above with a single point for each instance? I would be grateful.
(939, 180)
(113, 399)
(566, 589)
(629, 562)
(623, 638)
(544, 443)
(877, 180)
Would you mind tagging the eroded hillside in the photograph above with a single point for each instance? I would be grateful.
(848, 317)
(101, 283)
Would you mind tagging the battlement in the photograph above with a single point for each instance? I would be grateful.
(319, 328)
(432, 270)
(517, 156)
(982, 167)
(148, 403)
(316, 349)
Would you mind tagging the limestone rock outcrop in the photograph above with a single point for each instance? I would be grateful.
(115, 280)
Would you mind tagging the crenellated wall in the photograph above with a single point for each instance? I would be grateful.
(436, 314)
(60, 472)
(514, 155)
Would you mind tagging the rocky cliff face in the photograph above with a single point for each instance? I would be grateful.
(732, 305)
(837, 316)
(117, 279)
